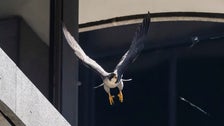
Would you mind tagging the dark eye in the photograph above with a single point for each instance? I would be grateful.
(110, 77)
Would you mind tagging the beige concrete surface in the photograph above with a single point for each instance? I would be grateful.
(21, 101)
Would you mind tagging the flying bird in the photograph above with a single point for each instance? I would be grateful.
(113, 79)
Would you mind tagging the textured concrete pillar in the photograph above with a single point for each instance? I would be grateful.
(21, 101)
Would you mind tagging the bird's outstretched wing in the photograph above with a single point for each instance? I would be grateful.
(81, 54)
(136, 46)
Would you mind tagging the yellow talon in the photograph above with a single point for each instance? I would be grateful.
(111, 99)
(120, 95)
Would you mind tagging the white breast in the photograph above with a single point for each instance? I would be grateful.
(109, 83)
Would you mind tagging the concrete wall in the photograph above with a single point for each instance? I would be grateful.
(35, 12)
(95, 10)
(34, 57)
(21, 101)
(27, 50)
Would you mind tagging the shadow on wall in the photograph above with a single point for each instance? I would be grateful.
(27, 50)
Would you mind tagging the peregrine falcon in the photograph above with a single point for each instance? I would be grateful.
(113, 79)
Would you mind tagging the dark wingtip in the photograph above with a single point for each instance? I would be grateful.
(149, 16)
(143, 28)
(146, 23)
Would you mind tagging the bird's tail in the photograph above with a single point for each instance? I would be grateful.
(99, 86)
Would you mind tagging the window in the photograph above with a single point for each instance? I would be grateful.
(151, 98)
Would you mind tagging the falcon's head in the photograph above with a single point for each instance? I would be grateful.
(113, 77)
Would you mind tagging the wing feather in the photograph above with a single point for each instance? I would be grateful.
(136, 47)
(81, 54)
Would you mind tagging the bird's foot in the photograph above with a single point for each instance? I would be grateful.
(120, 96)
(111, 99)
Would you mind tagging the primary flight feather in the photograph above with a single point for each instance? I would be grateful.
(113, 79)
